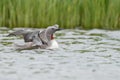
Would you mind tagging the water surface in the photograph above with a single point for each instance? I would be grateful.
(83, 55)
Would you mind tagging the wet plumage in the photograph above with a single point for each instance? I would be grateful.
(39, 39)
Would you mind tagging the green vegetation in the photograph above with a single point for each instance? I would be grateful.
(86, 14)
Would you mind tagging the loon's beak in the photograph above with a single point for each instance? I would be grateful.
(59, 29)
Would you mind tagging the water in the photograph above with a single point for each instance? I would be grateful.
(83, 55)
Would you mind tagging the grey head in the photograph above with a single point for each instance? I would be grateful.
(47, 34)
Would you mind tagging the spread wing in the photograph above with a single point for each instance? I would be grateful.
(18, 32)
(28, 36)
(34, 37)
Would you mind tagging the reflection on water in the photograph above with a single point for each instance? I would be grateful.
(83, 55)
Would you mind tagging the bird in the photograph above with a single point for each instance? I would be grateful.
(38, 39)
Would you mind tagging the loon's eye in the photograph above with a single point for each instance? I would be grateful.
(52, 28)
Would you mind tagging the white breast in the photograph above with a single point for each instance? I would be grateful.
(53, 45)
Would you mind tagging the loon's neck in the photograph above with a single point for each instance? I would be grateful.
(51, 37)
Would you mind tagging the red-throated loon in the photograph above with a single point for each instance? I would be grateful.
(38, 39)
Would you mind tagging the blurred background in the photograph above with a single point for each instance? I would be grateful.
(85, 14)
(89, 46)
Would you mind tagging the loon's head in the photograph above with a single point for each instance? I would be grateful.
(51, 30)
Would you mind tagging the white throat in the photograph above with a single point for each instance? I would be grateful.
(53, 45)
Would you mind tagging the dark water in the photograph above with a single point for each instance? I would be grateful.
(83, 55)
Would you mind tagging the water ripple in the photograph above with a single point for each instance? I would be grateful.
(83, 55)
